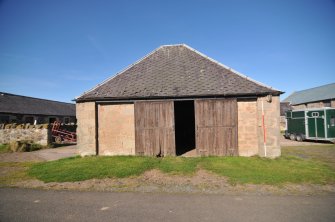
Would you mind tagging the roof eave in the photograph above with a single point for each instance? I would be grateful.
(93, 99)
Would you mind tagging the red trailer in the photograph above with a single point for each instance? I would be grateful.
(61, 135)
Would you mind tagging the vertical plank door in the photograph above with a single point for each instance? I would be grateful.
(154, 128)
(216, 127)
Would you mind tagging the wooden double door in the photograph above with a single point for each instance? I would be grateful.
(215, 127)
(154, 128)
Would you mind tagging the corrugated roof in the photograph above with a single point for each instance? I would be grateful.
(320, 93)
(176, 71)
(16, 104)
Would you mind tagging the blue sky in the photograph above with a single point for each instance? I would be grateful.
(59, 49)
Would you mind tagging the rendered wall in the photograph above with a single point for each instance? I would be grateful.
(272, 126)
(247, 128)
(116, 129)
(85, 113)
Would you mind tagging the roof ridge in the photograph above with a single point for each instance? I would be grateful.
(30, 97)
(229, 68)
(315, 87)
(171, 45)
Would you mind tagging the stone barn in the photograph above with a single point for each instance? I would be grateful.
(24, 109)
(177, 101)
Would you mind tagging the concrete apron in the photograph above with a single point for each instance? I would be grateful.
(57, 153)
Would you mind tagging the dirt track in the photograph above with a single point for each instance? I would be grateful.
(288, 142)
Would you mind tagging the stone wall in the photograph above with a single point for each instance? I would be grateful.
(297, 107)
(85, 113)
(250, 127)
(116, 129)
(247, 128)
(272, 126)
(116, 134)
(283, 123)
(39, 134)
(315, 105)
(332, 103)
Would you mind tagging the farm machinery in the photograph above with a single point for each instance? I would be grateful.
(62, 135)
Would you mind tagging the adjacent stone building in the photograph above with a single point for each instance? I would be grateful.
(318, 97)
(284, 107)
(177, 101)
(23, 109)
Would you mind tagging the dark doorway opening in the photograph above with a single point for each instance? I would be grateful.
(52, 120)
(184, 126)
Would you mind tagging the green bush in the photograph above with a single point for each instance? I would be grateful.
(35, 146)
(4, 148)
(24, 146)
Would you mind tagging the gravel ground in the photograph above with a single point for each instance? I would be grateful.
(288, 142)
(40, 155)
(20, 157)
(68, 151)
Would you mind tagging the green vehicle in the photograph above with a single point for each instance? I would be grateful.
(311, 124)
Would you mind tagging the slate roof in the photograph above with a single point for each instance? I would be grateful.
(16, 104)
(320, 93)
(176, 71)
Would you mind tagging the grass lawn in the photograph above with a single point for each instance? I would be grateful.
(4, 148)
(323, 153)
(306, 164)
(11, 173)
(266, 171)
(77, 168)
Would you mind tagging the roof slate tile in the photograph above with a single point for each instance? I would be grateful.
(325, 92)
(176, 71)
(16, 104)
